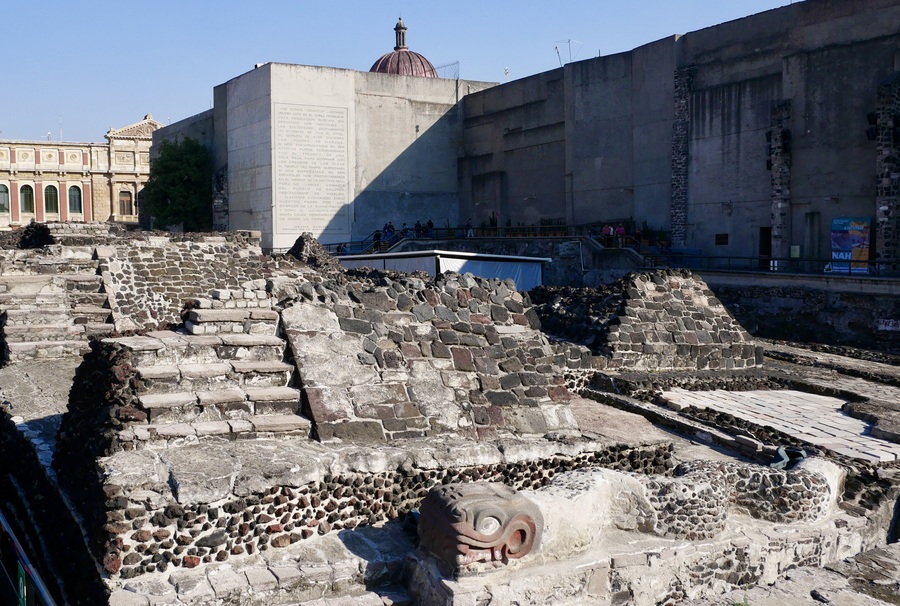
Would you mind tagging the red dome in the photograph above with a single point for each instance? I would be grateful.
(402, 61)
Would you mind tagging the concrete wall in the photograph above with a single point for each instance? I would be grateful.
(408, 137)
(514, 152)
(199, 127)
(824, 58)
(619, 116)
(811, 69)
(333, 152)
(248, 107)
(729, 186)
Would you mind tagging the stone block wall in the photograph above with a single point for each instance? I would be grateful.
(390, 358)
(887, 171)
(795, 313)
(148, 530)
(151, 278)
(663, 319)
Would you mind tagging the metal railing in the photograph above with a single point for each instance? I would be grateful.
(818, 266)
(655, 254)
(379, 242)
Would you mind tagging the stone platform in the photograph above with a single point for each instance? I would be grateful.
(808, 417)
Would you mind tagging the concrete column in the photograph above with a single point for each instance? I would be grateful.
(87, 201)
(780, 158)
(38, 200)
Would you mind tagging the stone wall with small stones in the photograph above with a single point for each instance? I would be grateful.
(684, 79)
(694, 504)
(384, 357)
(151, 278)
(143, 538)
(664, 319)
(816, 316)
(51, 259)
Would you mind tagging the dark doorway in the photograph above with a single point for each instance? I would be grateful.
(765, 247)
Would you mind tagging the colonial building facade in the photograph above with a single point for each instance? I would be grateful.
(64, 181)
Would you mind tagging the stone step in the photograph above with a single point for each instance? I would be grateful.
(169, 347)
(42, 332)
(26, 284)
(51, 298)
(219, 404)
(38, 315)
(99, 329)
(83, 284)
(84, 314)
(93, 299)
(251, 427)
(187, 377)
(252, 321)
(34, 350)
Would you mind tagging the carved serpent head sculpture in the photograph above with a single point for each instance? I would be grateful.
(463, 524)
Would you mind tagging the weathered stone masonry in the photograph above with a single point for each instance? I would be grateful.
(887, 171)
(680, 155)
(668, 319)
(151, 278)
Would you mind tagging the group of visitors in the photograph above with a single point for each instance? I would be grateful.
(617, 236)
(389, 235)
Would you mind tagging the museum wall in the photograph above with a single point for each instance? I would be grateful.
(619, 114)
(513, 162)
(248, 103)
(408, 136)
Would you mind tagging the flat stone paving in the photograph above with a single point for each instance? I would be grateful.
(816, 419)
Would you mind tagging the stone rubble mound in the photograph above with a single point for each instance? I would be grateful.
(654, 320)
(307, 250)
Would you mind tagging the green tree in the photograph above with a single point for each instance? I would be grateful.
(179, 189)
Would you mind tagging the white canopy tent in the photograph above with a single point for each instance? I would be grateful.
(527, 272)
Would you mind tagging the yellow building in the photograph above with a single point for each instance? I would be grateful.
(65, 181)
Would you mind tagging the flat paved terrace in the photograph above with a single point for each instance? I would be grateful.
(812, 418)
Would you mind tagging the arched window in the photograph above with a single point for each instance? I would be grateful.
(125, 207)
(4, 199)
(26, 199)
(51, 200)
(75, 206)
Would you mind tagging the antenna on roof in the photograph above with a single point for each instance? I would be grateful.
(569, 44)
(448, 70)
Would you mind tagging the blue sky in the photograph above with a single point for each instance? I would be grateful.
(96, 64)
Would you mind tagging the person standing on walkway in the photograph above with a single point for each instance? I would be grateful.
(607, 233)
(620, 235)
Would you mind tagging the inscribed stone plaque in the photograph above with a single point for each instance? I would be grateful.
(311, 173)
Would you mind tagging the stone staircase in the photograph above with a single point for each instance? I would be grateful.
(52, 310)
(221, 377)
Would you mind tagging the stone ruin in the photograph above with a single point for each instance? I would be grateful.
(662, 320)
(272, 430)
